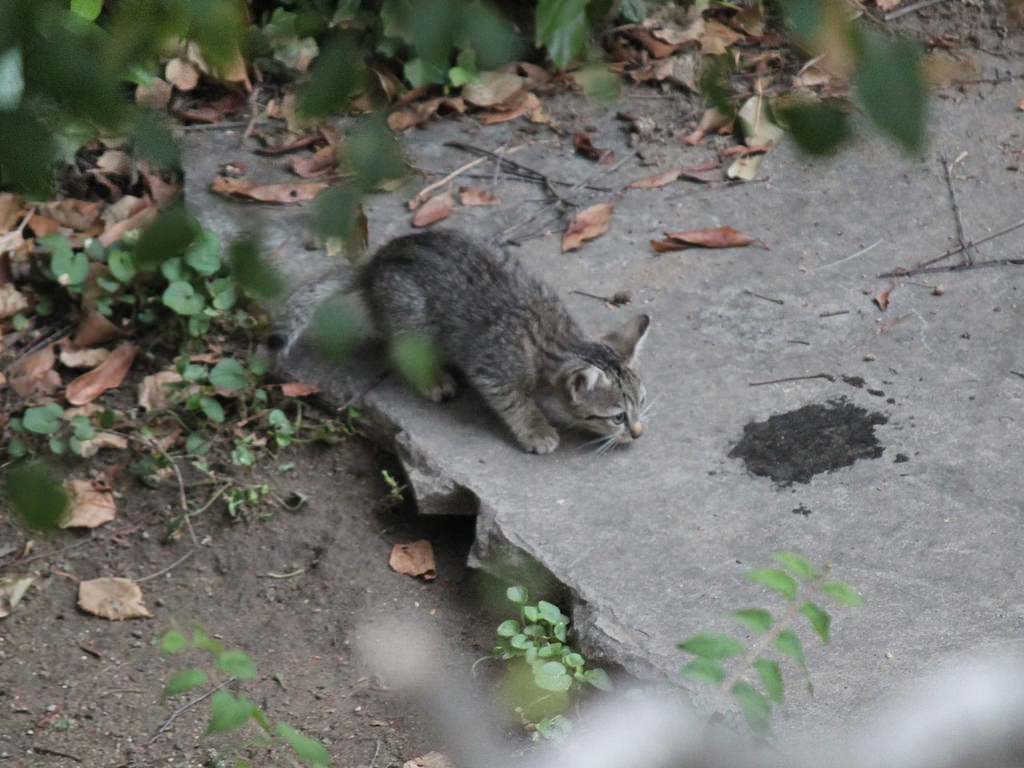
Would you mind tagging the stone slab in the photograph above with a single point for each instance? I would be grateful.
(650, 542)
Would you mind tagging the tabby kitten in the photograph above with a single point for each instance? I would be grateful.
(510, 336)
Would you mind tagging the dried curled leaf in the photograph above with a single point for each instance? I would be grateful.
(92, 504)
(717, 237)
(476, 196)
(107, 375)
(415, 559)
(299, 389)
(584, 145)
(245, 189)
(112, 598)
(587, 225)
(659, 180)
(12, 589)
(436, 208)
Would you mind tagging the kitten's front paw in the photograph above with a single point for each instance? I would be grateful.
(444, 388)
(540, 440)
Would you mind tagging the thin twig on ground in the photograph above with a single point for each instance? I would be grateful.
(961, 238)
(926, 266)
(54, 552)
(162, 571)
(920, 4)
(826, 376)
(852, 256)
(183, 499)
(184, 708)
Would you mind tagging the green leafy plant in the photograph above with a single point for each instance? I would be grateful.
(227, 711)
(548, 675)
(801, 585)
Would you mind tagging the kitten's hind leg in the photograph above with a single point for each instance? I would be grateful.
(533, 431)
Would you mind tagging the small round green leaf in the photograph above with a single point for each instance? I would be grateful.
(704, 671)
(229, 375)
(775, 579)
(183, 299)
(599, 679)
(183, 681)
(508, 628)
(212, 408)
(87, 9)
(172, 642)
(711, 646)
(228, 713)
(756, 619)
(550, 613)
(841, 592)
(43, 419)
(517, 595)
(122, 265)
(819, 619)
(310, 750)
(237, 664)
(37, 497)
(204, 253)
(551, 676)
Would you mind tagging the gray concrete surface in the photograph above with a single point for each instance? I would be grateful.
(651, 541)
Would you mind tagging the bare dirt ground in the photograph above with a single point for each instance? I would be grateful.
(79, 690)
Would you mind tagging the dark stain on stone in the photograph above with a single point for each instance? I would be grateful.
(802, 510)
(796, 446)
(900, 458)
(854, 381)
(876, 392)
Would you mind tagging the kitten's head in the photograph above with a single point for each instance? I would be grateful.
(600, 389)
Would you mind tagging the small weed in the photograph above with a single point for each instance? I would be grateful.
(548, 675)
(798, 583)
(227, 711)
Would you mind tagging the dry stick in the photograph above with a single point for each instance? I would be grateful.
(167, 723)
(375, 753)
(910, 9)
(747, 292)
(961, 238)
(852, 256)
(162, 571)
(152, 444)
(40, 556)
(921, 268)
(826, 376)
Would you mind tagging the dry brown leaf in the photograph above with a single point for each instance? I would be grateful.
(301, 142)
(658, 49)
(660, 180)
(244, 189)
(115, 161)
(12, 589)
(476, 196)
(299, 389)
(12, 301)
(72, 357)
(79, 215)
(436, 208)
(584, 145)
(415, 559)
(139, 220)
(163, 192)
(34, 374)
(107, 375)
(12, 209)
(92, 504)
(213, 111)
(89, 448)
(588, 224)
(94, 329)
(711, 120)
(182, 74)
(887, 5)
(112, 598)
(717, 38)
(882, 299)
(493, 90)
(154, 95)
(153, 392)
(717, 237)
(523, 103)
(42, 226)
(320, 163)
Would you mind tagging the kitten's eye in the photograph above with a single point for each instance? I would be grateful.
(619, 418)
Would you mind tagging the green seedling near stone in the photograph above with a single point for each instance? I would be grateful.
(547, 676)
(229, 712)
(800, 584)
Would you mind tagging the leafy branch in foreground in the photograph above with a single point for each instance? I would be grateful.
(800, 584)
(229, 712)
(550, 673)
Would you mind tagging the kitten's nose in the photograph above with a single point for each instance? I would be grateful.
(636, 430)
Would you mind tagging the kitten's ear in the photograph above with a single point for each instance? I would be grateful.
(629, 338)
(580, 379)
